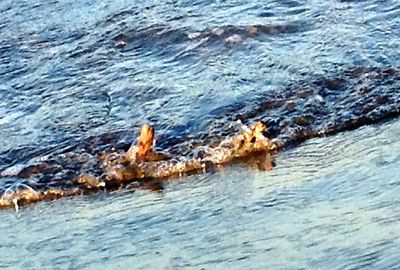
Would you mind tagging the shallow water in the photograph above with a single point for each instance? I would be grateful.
(331, 203)
(79, 77)
(77, 84)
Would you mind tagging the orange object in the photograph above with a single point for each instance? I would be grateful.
(146, 142)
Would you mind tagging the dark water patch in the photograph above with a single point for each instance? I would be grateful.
(159, 38)
(118, 17)
(31, 154)
(311, 219)
(314, 107)
(353, 1)
(324, 106)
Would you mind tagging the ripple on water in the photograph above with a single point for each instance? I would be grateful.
(83, 75)
(303, 214)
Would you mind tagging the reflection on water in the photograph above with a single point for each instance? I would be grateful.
(77, 77)
(329, 204)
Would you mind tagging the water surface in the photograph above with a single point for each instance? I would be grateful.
(80, 77)
(331, 203)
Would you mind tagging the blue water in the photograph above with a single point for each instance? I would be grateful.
(331, 203)
(75, 70)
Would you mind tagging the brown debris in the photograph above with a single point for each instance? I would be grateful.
(143, 150)
(89, 181)
(146, 142)
(28, 196)
(141, 162)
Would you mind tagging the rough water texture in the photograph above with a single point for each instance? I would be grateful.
(78, 79)
(331, 203)
(323, 107)
(74, 87)
(140, 163)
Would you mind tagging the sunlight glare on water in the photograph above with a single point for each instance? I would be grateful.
(330, 204)
(76, 71)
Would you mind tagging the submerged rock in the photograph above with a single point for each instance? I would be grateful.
(315, 106)
(141, 162)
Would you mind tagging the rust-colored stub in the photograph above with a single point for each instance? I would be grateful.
(146, 141)
(144, 146)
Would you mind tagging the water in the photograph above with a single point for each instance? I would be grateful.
(331, 203)
(81, 77)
